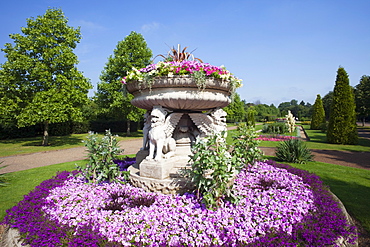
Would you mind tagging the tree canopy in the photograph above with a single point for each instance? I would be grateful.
(111, 97)
(39, 81)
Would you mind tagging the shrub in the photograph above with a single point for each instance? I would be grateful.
(245, 150)
(275, 128)
(293, 150)
(102, 153)
(212, 170)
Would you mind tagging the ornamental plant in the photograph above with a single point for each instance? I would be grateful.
(290, 122)
(245, 148)
(102, 153)
(213, 170)
(275, 128)
(293, 150)
(195, 69)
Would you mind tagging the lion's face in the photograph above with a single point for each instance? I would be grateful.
(157, 117)
(220, 117)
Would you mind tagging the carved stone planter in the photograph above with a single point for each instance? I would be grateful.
(180, 93)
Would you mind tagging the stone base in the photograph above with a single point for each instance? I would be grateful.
(175, 184)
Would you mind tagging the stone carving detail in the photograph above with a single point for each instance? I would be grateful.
(211, 122)
(160, 133)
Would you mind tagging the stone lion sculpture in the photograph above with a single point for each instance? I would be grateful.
(211, 122)
(161, 143)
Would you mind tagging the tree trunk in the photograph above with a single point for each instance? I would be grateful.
(128, 131)
(363, 121)
(45, 140)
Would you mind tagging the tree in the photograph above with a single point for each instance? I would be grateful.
(235, 110)
(327, 101)
(39, 81)
(318, 116)
(342, 128)
(362, 97)
(130, 53)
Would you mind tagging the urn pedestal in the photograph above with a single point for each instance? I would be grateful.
(178, 112)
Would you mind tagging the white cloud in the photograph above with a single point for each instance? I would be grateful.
(149, 27)
(89, 26)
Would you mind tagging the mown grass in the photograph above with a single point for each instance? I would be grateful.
(33, 144)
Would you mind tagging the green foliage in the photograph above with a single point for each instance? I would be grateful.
(327, 100)
(293, 150)
(342, 128)
(275, 128)
(318, 115)
(235, 110)
(301, 110)
(102, 152)
(251, 121)
(39, 81)
(2, 177)
(265, 112)
(111, 97)
(245, 148)
(213, 170)
(362, 97)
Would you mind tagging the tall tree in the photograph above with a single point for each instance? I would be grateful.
(130, 53)
(318, 115)
(327, 100)
(39, 81)
(362, 96)
(342, 128)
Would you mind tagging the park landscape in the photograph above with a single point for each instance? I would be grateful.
(249, 130)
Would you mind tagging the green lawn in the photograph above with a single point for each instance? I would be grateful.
(33, 144)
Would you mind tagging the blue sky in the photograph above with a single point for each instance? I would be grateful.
(282, 49)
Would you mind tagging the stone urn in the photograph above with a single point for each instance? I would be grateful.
(180, 92)
(178, 112)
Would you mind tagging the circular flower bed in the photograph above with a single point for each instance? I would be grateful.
(280, 206)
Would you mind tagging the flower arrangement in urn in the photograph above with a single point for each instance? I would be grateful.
(182, 63)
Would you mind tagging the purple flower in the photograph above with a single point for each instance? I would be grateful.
(280, 206)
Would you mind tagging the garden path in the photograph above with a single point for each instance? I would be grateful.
(28, 161)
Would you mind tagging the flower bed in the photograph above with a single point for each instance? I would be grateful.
(274, 138)
(194, 68)
(280, 206)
